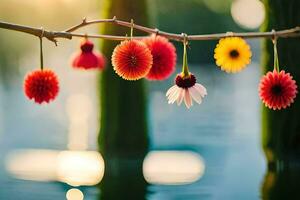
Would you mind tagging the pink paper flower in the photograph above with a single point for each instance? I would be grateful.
(87, 57)
(132, 60)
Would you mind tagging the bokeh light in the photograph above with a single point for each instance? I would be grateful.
(75, 168)
(74, 194)
(80, 167)
(248, 13)
(173, 167)
(38, 165)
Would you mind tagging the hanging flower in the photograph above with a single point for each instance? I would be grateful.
(232, 54)
(277, 90)
(164, 57)
(132, 60)
(41, 86)
(186, 89)
(87, 58)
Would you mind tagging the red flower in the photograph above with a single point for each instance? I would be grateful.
(41, 86)
(277, 90)
(132, 60)
(86, 58)
(164, 57)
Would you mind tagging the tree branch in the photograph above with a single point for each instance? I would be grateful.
(85, 23)
(39, 32)
(68, 34)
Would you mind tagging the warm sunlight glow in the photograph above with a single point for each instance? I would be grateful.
(80, 168)
(78, 108)
(39, 165)
(248, 13)
(173, 167)
(75, 168)
(74, 194)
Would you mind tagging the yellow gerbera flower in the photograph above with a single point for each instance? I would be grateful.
(232, 54)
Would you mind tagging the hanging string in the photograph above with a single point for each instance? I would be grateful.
(276, 60)
(131, 29)
(156, 32)
(185, 69)
(41, 49)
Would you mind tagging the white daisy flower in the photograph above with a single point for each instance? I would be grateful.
(186, 89)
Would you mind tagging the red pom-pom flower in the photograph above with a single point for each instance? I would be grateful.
(164, 57)
(132, 60)
(277, 89)
(41, 86)
(87, 58)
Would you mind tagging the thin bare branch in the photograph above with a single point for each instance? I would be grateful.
(86, 23)
(107, 37)
(294, 32)
(68, 34)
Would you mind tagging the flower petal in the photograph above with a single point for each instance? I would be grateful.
(187, 98)
(180, 97)
(201, 89)
(170, 90)
(195, 94)
(174, 95)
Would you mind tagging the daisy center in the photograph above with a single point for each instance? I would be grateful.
(234, 53)
(185, 83)
(276, 90)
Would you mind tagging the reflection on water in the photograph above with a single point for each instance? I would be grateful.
(224, 130)
(80, 168)
(75, 168)
(281, 184)
(78, 108)
(39, 165)
(123, 179)
(127, 178)
(173, 167)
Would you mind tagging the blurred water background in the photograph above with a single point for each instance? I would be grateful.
(211, 151)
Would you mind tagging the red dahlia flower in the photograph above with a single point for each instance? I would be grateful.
(41, 86)
(277, 89)
(132, 60)
(164, 57)
(87, 58)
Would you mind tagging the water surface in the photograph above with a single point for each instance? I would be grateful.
(223, 133)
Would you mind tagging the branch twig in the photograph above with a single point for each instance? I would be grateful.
(85, 23)
(293, 32)
(68, 34)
